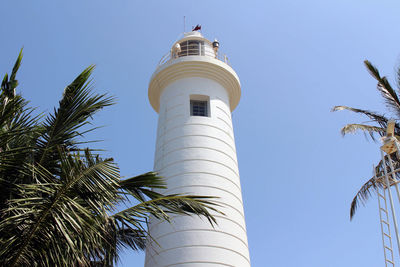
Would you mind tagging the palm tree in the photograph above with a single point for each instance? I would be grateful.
(60, 202)
(376, 127)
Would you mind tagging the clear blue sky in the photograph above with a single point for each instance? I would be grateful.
(295, 59)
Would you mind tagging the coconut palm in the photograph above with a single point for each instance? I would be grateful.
(61, 204)
(375, 127)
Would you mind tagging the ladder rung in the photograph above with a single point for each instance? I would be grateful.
(388, 248)
(384, 210)
(390, 262)
(385, 222)
(387, 235)
(382, 196)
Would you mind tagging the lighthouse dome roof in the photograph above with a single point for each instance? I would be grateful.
(194, 35)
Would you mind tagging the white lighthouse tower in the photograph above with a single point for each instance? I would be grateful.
(194, 92)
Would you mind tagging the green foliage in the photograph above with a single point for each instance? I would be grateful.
(377, 126)
(58, 201)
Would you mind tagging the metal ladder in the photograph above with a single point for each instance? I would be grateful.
(385, 228)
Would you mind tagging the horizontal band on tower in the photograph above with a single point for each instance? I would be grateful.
(166, 192)
(153, 225)
(194, 135)
(194, 66)
(180, 126)
(197, 147)
(199, 246)
(203, 230)
(174, 176)
(200, 262)
(235, 172)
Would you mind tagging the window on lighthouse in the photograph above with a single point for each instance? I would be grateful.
(200, 105)
(199, 108)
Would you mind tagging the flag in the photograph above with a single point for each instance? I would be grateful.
(198, 27)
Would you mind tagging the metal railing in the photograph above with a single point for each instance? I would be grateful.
(192, 51)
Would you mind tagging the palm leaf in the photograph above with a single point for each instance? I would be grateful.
(381, 120)
(378, 118)
(61, 213)
(141, 187)
(376, 182)
(385, 88)
(8, 85)
(172, 204)
(371, 130)
(16, 66)
(63, 126)
(364, 194)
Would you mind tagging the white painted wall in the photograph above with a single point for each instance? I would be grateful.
(197, 155)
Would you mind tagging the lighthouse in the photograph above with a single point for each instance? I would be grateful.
(194, 90)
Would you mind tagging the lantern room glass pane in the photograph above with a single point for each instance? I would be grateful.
(192, 48)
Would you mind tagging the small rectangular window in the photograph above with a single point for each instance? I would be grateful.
(198, 108)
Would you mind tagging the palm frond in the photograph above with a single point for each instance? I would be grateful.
(367, 129)
(378, 118)
(388, 93)
(364, 194)
(16, 65)
(9, 84)
(375, 183)
(164, 205)
(64, 213)
(381, 120)
(141, 187)
(61, 128)
(119, 236)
